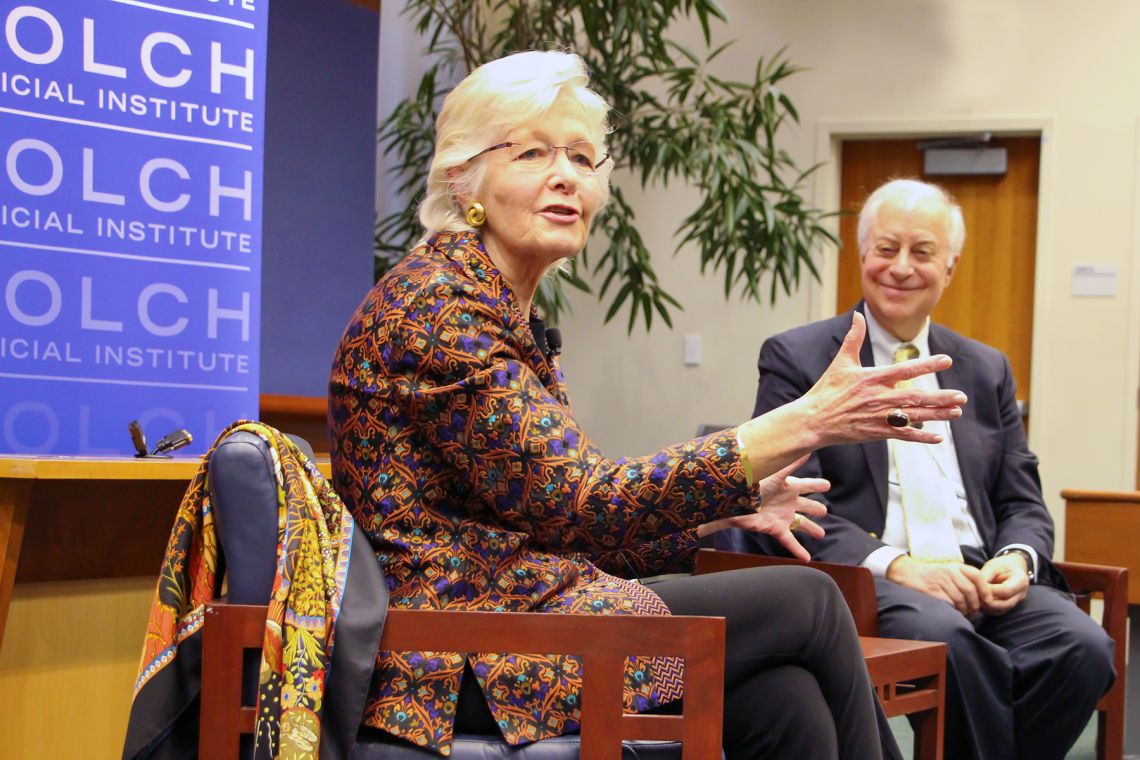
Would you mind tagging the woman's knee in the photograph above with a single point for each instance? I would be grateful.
(808, 590)
(802, 584)
(763, 606)
(820, 594)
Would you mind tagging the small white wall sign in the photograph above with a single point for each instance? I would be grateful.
(1094, 280)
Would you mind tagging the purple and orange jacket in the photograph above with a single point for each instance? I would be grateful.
(454, 445)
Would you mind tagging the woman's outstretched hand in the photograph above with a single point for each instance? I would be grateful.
(781, 497)
(850, 403)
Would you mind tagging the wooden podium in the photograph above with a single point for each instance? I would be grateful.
(71, 518)
(1101, 528)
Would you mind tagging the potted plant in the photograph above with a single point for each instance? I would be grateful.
(673, 120)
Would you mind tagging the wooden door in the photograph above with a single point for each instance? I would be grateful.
(991, 297)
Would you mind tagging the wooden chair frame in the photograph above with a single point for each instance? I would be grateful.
(603, 641)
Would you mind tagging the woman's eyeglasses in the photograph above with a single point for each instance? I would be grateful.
(583, 156)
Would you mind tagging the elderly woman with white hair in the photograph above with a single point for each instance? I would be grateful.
(455, 448)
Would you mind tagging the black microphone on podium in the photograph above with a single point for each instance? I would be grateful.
(138, 438)
(172, 442)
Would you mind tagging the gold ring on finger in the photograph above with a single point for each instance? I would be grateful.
(796, 522)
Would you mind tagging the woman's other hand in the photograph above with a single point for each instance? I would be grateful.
(781, 497)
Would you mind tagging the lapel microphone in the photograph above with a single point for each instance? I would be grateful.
(548, 339)
(553, 342)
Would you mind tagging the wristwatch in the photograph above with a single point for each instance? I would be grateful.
(1028, 561)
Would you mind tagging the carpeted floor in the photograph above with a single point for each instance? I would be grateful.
(1084, 749)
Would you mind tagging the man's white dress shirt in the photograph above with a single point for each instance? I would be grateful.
(883, 347)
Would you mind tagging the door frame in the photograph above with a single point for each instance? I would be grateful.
(1131, 444)
(830, 135)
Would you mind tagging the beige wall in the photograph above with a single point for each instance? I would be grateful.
(1066, 68)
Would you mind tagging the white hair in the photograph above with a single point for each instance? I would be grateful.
(482, 109)
(906, 194)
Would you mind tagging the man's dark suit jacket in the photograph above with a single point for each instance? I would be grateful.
(1003, 488)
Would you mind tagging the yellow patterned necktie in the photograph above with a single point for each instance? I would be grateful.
(926, 492)
(905, 353)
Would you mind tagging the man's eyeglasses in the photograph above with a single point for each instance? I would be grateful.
(583, 156)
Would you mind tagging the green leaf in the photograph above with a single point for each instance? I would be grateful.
(619, 300)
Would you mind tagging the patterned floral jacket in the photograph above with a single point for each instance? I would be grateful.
(455, 448)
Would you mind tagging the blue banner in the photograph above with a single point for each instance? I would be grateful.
(130, 220)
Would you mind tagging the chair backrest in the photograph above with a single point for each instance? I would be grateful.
(855, 583)
(243, 492)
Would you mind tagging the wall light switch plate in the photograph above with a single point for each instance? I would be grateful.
(692, 350)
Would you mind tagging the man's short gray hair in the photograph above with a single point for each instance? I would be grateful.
(908, 193)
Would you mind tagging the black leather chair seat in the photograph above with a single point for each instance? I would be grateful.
(374, 746)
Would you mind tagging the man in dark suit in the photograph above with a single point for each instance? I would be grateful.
(957, 534)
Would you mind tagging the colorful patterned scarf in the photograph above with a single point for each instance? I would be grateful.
(313, 541)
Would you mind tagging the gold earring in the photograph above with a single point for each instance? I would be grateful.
(476, 215)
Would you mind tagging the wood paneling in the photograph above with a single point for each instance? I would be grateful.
(84, 519)
(81, 529)
(991, 297)
(302, 406)
(1128, 497)
(372, 5)
(14, 496)
(1103, 528)
(90, 468)
(91, 518)
(68, 668)
(306, 416)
